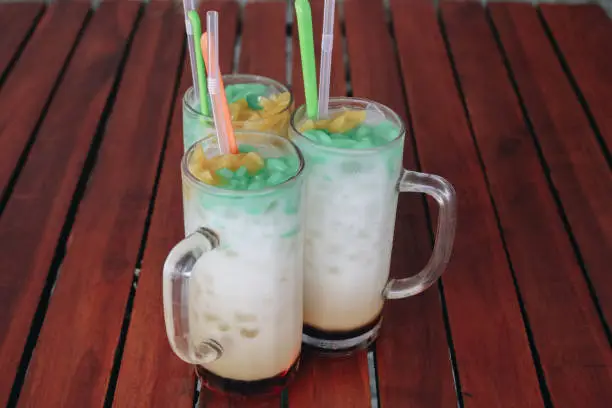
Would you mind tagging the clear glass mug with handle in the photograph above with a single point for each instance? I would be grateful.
(232, 289)
(352, 184)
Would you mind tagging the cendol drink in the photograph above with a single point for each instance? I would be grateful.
(354, 171)
(255, 103)
(233, 288)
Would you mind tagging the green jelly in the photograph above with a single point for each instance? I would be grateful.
(275, 179)
(253, 102)
(256, 185)
(234, 184)
(276, 170)
(225, 173)
(241, 172)
(236, 92)
(363, 136)
(342, 136)
(276, 164)
(385, 131)
(324, 138)
(292, 163)
(363, 132)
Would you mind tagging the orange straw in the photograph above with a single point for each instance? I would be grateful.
(220, 97)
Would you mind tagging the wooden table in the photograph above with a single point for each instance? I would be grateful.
(511, 103)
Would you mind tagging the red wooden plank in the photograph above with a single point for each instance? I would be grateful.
(32, 219)
(72, 367)
(478, 288)
(337, 82)
(153, 376)
(16, 20)
(33, 79)
(321, 381)
(571, 343)
(412, 353)
(577, 166)
(331, 382)
(583, 34)
(263, 40)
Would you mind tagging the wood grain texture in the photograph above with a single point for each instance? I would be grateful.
(412, 352)
(323, 381)
(583, 34)
(578, 168)
(72, 368)
(33, 218)
(263, 40)
(482, 305)
(152, 376)
(34, 76)
(337, 79)
(16, 20)
(574, 353)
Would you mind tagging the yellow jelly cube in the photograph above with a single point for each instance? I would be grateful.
(238, 108)
(221, 162)
(307, 125)
(272, 122)
(252, 161)
(355, 116)
(255, 125)
(346, 121)
(275, 103)
(199, 157)
(207, 177)
(282, 99)
(252, 116)
(266, 103)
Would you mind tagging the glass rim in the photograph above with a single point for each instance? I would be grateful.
(385, 109)
(246, 78)
(220, 191)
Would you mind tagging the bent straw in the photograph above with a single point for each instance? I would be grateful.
(327, 42)
(194, 18)
(221, 113)
(309, 70)
(189, 5)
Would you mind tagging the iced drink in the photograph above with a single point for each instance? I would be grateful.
(233, 288)
(255, 103)
(354, 162)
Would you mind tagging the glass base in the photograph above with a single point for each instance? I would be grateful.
(238, 388)
(340, 343)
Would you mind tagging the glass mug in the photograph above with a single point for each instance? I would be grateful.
(197, 126)
(351, 200)
(232, 289)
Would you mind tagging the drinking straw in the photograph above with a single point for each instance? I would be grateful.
(189, 5)
(309, 71)
(327, 42)
(220, 109)
(194, 18)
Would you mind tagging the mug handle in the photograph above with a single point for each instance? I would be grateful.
(178, 269)
(444, 194)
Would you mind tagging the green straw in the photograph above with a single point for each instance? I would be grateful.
(309, 70)
(197, 34)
